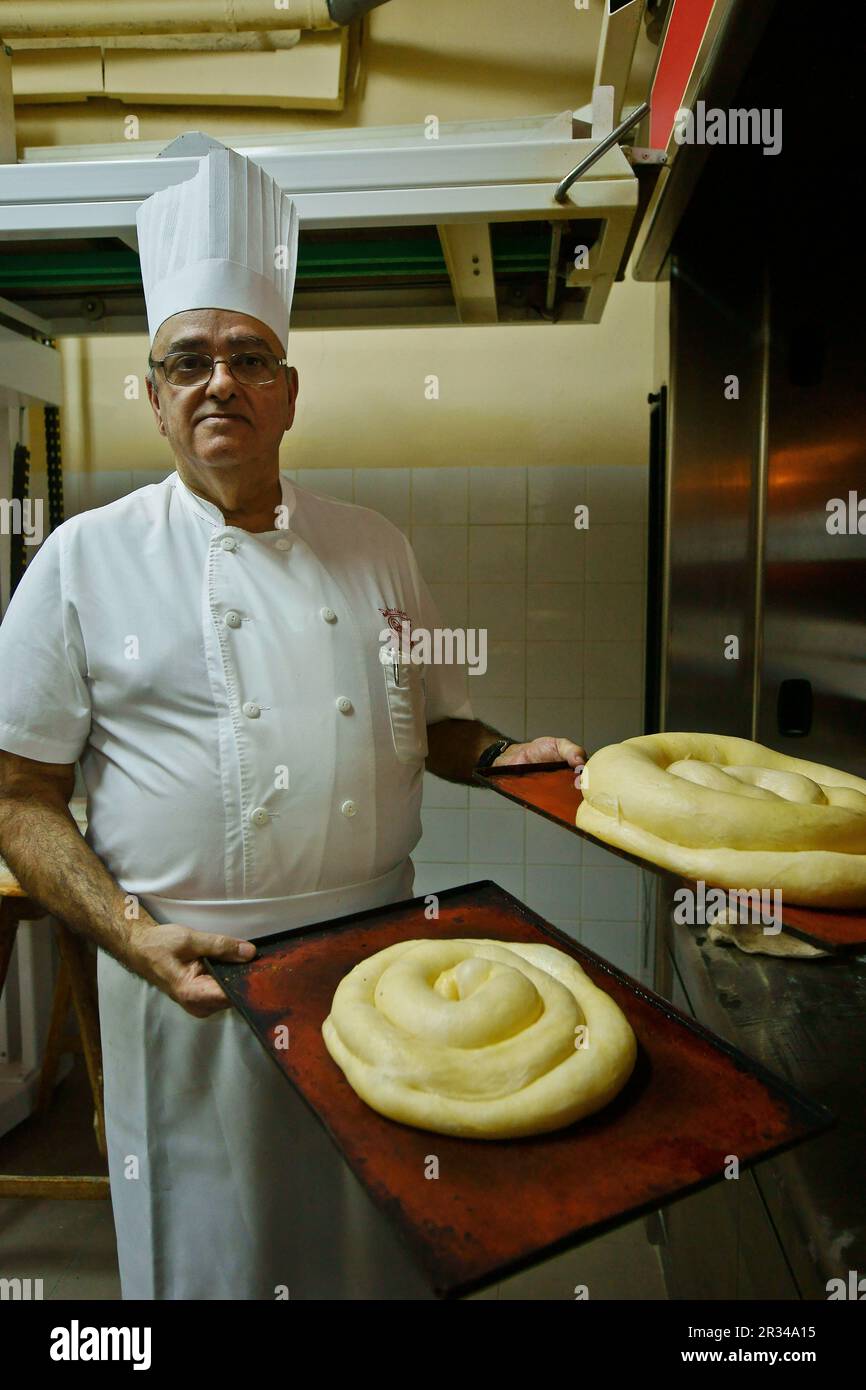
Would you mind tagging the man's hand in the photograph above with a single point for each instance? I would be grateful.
(170, 957)
(55, 865)
(455, 745)
(544, 750)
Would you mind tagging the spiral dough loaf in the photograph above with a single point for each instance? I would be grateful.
(478, 1038)
(733, 813)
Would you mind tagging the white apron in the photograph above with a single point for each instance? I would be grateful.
(224, 1185)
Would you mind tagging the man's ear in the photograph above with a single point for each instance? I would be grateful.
(293, 388)
(153, 397)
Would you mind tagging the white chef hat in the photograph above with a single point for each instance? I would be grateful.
(225, 239)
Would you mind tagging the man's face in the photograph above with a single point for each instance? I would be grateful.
(221, 424)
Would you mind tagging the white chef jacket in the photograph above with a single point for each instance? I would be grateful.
(251, 766)
(238, 734)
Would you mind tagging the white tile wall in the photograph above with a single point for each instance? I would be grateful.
(144, 477)
(555, 554)
(435, 878)
(497, 495)
(612, 611)
(98, 489)
(84, 490)
(504, 712)
(618, 942)
(497, 836)
(554, 611)
(553, 669)
(554, 492)
(445, 794)
(496, 553)
(508, 876)
(500, 609)
(386, 490)
(610, 721)
(452, 601)
(553, 889)
(442, 552)
(548, 843)
(445, 834)
(440, 495)
(615, 552)
(562, 717)
(506, 670)
(330, 482)
(610, 894)
(564, 613)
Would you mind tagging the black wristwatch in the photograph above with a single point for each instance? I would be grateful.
(492, 753)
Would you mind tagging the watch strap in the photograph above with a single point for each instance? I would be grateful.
(492, 752)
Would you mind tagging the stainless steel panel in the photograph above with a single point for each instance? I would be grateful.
(804, 1020)
(711, 507)
(769, 284)
(815, 582)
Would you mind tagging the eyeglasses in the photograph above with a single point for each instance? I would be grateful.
(195, 368)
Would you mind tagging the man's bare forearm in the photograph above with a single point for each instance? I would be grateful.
(55, 866)
(455, 745)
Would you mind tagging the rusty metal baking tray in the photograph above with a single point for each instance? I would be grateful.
(503, 1205)
(549, 789)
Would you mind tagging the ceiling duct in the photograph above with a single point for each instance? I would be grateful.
(56, 19)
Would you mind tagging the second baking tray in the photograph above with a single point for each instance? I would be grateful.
(498, 1206)
(549, 789)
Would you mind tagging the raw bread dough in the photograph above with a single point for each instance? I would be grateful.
(733, 813)
(751, 938)
(478, 1038)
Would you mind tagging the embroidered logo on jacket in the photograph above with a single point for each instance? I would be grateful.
(395, 618)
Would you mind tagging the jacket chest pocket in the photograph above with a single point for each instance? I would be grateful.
(406, 707)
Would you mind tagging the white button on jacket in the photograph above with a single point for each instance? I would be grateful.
(136, 637)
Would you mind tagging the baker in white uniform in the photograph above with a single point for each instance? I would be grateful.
(208, 648)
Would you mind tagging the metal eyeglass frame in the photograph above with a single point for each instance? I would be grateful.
(189, 385)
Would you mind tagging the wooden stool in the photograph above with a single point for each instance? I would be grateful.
(76, 984)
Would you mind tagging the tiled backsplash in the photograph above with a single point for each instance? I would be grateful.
(564, 613)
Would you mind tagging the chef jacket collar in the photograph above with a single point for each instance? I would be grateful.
(212, 513)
